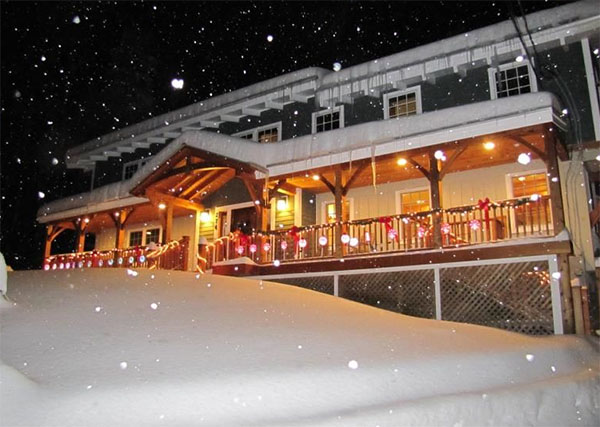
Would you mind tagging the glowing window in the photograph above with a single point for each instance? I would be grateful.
(415, 201)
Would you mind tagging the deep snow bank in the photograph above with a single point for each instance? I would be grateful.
(104, 347)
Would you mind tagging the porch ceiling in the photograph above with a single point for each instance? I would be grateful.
(506, 150)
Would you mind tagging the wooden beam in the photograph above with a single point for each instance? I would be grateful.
(200, 166)
(52, 231)
(418, 166)
(204, 190)
(530, 146)
(157, 197)
(198, 183)
(277, 186)
(357, 172)
(120, 221)
(446, 168)
(327, 183)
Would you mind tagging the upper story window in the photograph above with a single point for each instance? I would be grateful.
(402, 103)
(130, 168)
(267, 133)
(512, 79)
(332, 118)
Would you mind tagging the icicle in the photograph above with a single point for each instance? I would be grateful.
(373, 169)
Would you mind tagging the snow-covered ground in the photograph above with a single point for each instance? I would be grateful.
(104, 347)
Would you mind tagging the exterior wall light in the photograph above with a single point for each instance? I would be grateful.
(205, 216)
(162, 206)
(316, 177)
(402, 162)
(282, 203)
(524, 159)
(489, 145)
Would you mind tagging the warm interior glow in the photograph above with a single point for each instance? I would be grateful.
(161, 205)
(489, 145)
(401, 162)
(316, 177)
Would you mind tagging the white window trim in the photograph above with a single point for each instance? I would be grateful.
(143, 230)
(330, 110)
(509, 176)
(324, 204)
(493, 70)
(386, 100)
(254, 131)
(399, 194)
(139, 162)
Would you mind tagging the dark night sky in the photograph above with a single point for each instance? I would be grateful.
(71, 71)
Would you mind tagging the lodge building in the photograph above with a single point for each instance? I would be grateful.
(458, 180)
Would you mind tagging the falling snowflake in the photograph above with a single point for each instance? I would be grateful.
(154, 306)
(269, 38)
(177, 83)
(123, 365)
(76, 20)
(131, 272)
(529, 357)
(337, 66)
(353, 364)
(41, 194)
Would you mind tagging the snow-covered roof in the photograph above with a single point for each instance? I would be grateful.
(492, 38)
(486, 45)
(101, 347)
(327, 148)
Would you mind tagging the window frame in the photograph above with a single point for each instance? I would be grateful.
(492, 71)
(326, 202)
(139, 162)
(254, 132)
(144, 230)
(399, 194)
(386, 101)
(330, 110)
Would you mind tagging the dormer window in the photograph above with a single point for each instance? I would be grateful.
(130, 168)
(332, 118)
(267, 133)
(401, 103)
(511, 79)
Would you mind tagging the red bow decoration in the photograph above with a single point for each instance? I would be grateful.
(243, 239)
(484, 205)
(294, 233)
(387, 221)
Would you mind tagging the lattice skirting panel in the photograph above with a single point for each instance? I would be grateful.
(406, 292)
(318, 283)
(515, 295)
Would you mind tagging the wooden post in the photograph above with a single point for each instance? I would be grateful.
(434, 185)
(556, 205)
(169, 223)
(339, 210)
(80, 226)
(120, 220)
(52, 230)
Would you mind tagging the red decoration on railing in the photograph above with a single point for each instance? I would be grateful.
(294, 233)
(485, 206)
(389, 230)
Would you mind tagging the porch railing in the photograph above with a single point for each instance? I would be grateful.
(485, 222)
(171, 256)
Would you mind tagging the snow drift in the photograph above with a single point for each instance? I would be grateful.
(108, 347)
